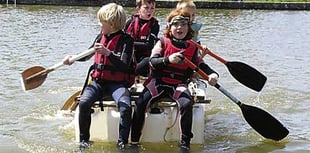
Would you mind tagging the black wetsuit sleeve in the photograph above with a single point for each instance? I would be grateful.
(97, 39)
(207, 69)
(124, 63)
(153, 37)
(159, 62)
(127, 24)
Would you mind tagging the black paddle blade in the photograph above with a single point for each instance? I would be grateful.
(247, 75)
(264, 123)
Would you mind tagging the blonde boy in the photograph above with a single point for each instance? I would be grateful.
(190, 7)
(112, 67)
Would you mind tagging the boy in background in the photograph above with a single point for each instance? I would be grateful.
(144, 28)
(190, 7)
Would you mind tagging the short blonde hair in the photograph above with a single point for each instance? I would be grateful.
(186, 3)
(112, 14)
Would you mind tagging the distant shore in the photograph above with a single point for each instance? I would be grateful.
(172, 4)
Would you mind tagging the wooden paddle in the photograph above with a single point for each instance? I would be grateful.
(242, 72)
(71, 102)
(260, 120)
(35, 76)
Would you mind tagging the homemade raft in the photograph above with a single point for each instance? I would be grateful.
(159, 127)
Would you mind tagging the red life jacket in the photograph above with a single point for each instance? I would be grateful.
(104, 68)
(141, 33)
(177, 73)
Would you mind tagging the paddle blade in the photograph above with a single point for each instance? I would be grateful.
(264, 123)
(247, 75)
(71, 102)
(30, 79)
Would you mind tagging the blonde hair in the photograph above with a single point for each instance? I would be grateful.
(185, 4)
(112, 14)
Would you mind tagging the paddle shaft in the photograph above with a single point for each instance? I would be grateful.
(260, 120)
(242, 72)
(207, 51)
(218, 86)
(58, 65)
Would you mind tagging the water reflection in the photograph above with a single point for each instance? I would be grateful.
(274, 42)
(264, 147)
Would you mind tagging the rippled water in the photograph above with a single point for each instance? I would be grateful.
(277, 43)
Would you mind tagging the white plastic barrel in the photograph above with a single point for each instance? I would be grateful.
(104, 125)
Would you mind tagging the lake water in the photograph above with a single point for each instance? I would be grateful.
(277, 43)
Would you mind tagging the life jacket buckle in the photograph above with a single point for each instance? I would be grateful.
(99, 67)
